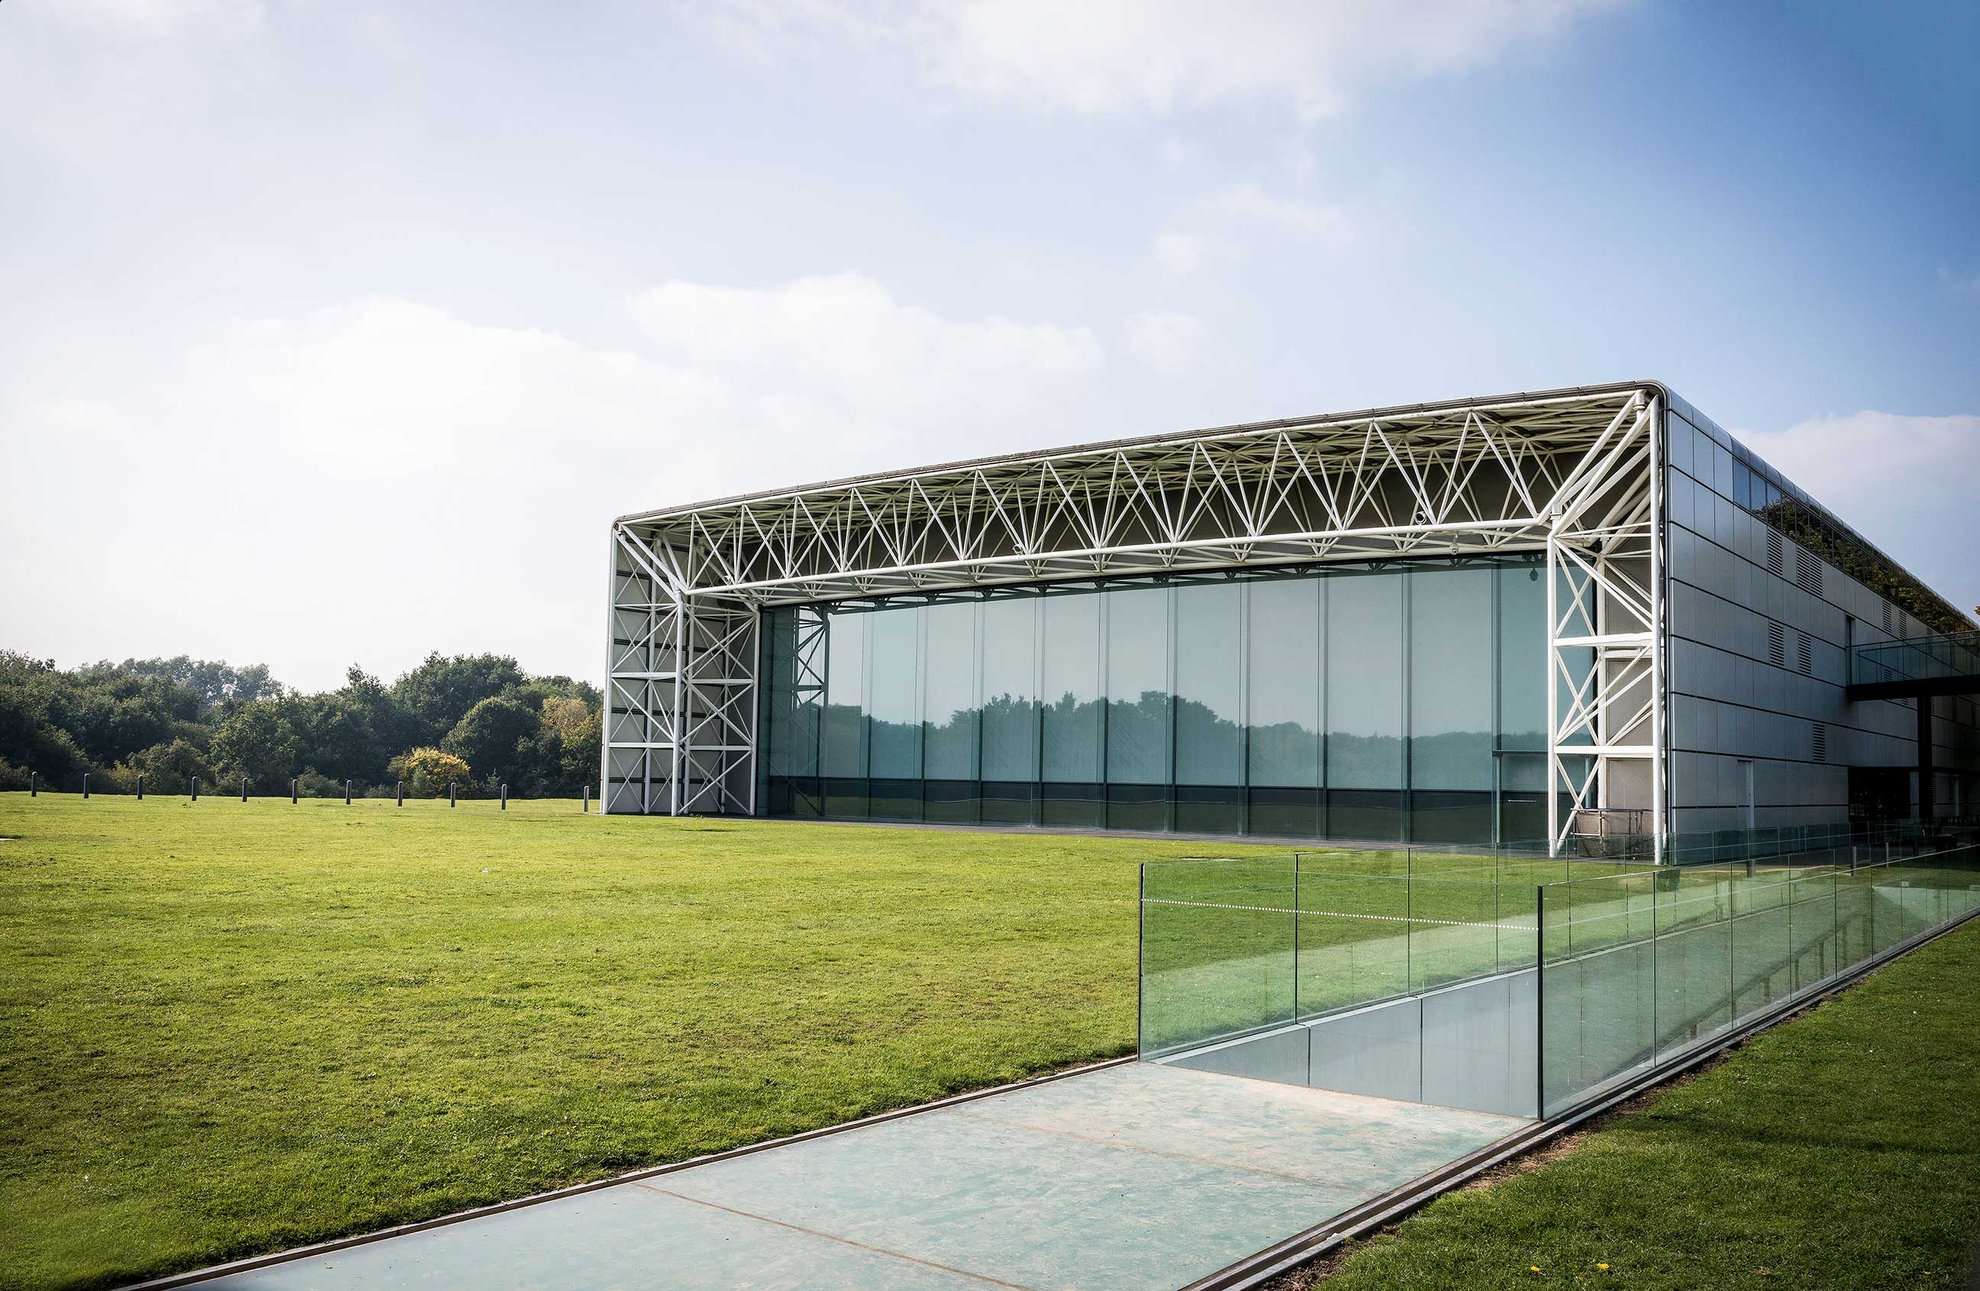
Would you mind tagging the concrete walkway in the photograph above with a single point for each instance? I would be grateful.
(1140, 1175)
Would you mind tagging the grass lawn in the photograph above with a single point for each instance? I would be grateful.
(1841, 1150)
(229, 1028)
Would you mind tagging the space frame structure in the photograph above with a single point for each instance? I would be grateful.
(1574, 474)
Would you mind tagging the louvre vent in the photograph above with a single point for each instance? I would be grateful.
(1805, 655)
(1773, 552)
(1807, 571)
(1887, 619)
(1777, 645)
(1821, 741)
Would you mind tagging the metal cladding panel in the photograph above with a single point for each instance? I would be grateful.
(1377, 1050)
(1481, 1045)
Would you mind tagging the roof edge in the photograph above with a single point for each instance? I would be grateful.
(1658, 388)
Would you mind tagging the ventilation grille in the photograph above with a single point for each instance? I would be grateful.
(1807, 571)
(1773, 552)
(1887, 619)
(1777, 645)
(1821, 742)
(1805, 654)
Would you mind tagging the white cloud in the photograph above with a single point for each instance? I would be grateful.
(1235, 214)
(1181, 252)
(1109, 56)
(151, 18)
(1905, 482)
(1165, 339)
(1251, 202)
(380, 478)
(853, 350)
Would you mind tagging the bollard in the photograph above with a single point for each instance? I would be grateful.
(195, 788)
(292, 792)
(34, 788)
(505, 797)
(140, 788)
(243, 788)
(85, 784)
(347, 793)
(585, 805)
(399, 795)
(450, 793)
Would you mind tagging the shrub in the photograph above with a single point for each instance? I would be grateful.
(428, 771)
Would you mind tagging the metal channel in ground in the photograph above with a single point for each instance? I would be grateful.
(212, 1272)
(1283, 1257)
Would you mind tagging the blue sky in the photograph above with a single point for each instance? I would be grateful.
(333, 333)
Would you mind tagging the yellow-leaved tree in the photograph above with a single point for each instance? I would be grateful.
(428, 772)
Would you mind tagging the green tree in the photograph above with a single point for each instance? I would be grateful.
(491, 738)
(169, 768)
(438, 694)
(259, 740)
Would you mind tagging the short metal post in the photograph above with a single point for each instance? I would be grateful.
(292, 791)
(140, 788)
(505, 797)
(34, 787)
(450, 793)
(244, 781)
(399, 795)
(587, 799)
(347, 793)
(195, 788)
(85, 784)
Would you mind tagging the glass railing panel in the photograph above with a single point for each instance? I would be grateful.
(1598, 1006)
(1217, 950)
(1693, 954)
(1354, 939)
(1812, 919)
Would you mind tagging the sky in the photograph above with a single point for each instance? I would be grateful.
(336, 333)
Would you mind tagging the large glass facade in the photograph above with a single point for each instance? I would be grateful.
(1404, 700)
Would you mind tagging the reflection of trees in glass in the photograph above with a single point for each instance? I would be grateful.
(1147, 720)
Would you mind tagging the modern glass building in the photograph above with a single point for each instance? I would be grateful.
(1502, 619)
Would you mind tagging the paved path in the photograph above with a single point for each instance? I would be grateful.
(1140, 1176)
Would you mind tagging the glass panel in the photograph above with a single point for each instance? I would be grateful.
(1694, 954)
(1450, 684)
(1597, 1008)
(1070, 689)
(1522, 627)
(1216, 950)
(949, 706)
(1762, 937)
(1353, 939)
(1010, 688)
(1364, 682)
(1209, 684)
(893, 693)
(843, 742)
(1138, 697)
(1454, 929)
(1284, 699)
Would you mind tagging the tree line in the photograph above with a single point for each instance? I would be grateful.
(474, 721)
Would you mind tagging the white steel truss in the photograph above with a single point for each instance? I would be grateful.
(1572, 473)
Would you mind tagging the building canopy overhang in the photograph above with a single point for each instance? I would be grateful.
(1570, 473)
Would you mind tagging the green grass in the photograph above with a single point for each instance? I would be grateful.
(1841, 1150)
(227, 1029)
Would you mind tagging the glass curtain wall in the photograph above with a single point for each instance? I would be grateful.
(1405, 700)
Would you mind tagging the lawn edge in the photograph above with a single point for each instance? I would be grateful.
(294, 1254)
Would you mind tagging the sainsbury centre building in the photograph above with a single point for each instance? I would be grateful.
(1505, 619)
